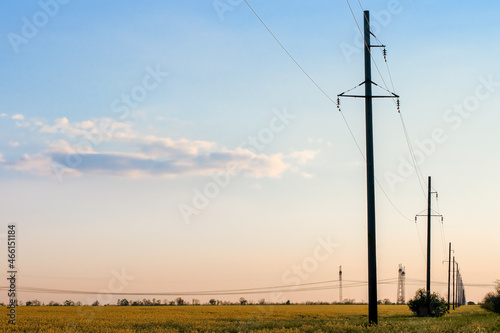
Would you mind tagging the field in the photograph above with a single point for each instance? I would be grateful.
(250, 318)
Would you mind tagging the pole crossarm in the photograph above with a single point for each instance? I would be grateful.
(441, 216)
(392, 95)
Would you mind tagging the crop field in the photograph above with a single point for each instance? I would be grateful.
(250, 318)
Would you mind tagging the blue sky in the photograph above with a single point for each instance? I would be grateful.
(116, 115)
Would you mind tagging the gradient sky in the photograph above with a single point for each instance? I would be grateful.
(115, 115)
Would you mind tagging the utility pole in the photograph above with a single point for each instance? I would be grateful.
(370, 173)
(340, 284)
(429, 237)
(429, 215)
(370, 178)
(457, 286)
(449, 271)
(453, 282)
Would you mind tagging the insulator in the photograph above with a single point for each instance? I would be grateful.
(397, 104)
(384, 52)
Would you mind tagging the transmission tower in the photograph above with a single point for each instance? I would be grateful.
(401, 285)
(340, 284)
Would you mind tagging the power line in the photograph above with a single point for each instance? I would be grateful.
(285, 288)
(327, 96)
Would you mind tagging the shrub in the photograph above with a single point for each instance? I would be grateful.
(428, 305)
(491, 301)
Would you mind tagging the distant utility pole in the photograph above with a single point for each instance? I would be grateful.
(370, 170)
(453, 282)
(449, 271)
(340, 284)
(429, 215)
(401, 285)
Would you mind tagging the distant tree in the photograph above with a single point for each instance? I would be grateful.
(262, 301)
(171, 303)
(96, 303)
(34, 302)
(78, 303)
(196, 301)
(69, 302)
(136, 303)
(287, 302)
(180, 301)
(428, 305)
(123, 302)
(212, 301)
(471, 303)
(386, 301)
(52, 303)
(491, 301)
(243, 301)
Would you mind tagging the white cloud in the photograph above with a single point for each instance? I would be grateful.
(304, 156)
(129, 155)
(18, 117)
(3, 115)
(97, 130)
(14, 144)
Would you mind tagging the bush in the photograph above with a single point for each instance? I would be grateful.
(491, 301)
(428, 305)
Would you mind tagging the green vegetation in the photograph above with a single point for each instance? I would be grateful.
(491, 301)
(249, 318)
(428, 305)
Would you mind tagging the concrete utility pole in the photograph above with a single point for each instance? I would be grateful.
(449, 271)
(370, 173)
(429, 237)
(453, 282)
(429, 215)
(370, 178)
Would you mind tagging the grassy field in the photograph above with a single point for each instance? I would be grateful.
(250, 318)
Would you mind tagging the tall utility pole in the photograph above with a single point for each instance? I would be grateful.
(429, 191)
(370, 174)
(340, 284)
(429, 215)
(370, 178)
(453, 282)
(449, 271)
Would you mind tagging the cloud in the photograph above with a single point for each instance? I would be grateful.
(98, 129)
(18, 117)
(14, 144)
(81, 151)
(138, 165)
(35, 164)
(304, 156)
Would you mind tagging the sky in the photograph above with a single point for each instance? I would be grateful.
(168, 146)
